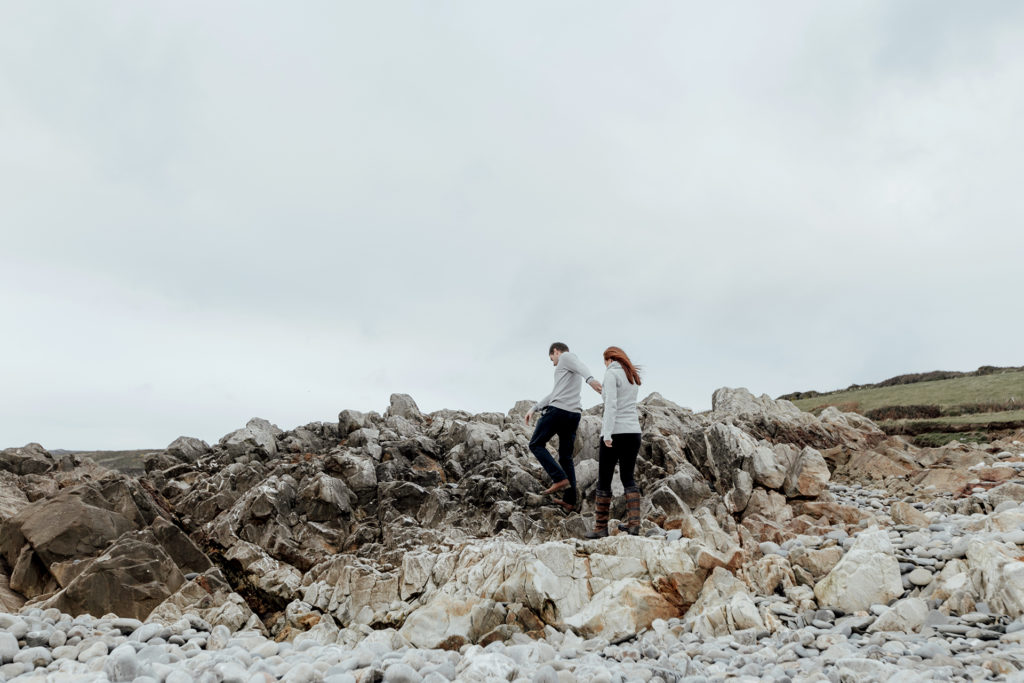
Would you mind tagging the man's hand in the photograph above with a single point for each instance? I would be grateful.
(595, 385)
(608, 443)
(529, 414)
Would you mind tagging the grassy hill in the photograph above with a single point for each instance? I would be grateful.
(968, 406)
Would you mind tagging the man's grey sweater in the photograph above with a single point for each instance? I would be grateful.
(620, 414)
(570, 374)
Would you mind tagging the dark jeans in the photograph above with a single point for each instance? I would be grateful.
(625, 448)
(564, 424)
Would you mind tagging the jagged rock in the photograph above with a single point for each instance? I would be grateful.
(349, 421)
(12, 499)
(905, 513)
(998, 574)
(817, 561)
(10, 602)
(724, 607)
(68, 527)
(208, 597)
(258, 437)
(767, 469)
(906, 616)
(621, 610)
(868, 574)
(130, 578)
(357, 472)
(1010, 491)
(769, 504)
(188, 449)
(352, 590)
(808, 475)
(770, 574)
(450, 622)
(325, 498)
(402, 405)
(29, 459)
(180, 547)
(275, 582)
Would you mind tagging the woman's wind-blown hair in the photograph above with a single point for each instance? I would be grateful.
(616, 354)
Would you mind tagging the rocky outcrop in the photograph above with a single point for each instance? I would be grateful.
(431, 530)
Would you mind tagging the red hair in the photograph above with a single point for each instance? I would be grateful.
(616, 354)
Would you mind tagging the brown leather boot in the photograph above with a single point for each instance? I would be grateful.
(602, 502)
(633, 510)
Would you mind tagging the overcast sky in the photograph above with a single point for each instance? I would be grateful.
(214, 211)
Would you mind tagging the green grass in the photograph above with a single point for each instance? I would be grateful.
(936, 439)
(946, 392)
(1005, 416)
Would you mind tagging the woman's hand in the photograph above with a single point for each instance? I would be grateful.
(608, 443)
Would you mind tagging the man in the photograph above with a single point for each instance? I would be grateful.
(562, 409)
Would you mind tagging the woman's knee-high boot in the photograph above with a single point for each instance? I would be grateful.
(602, 502)
(633, 510)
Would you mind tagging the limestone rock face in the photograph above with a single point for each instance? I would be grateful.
(430, 528)
(621, 610)
(998, 574)
(130, 578)
(70, 526)
(868, 574)
(210, 598)
(449, 621)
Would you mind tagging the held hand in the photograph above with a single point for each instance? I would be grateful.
(529, 414)
(595, 385)
(608, 443)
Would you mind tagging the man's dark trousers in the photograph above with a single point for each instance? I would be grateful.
(564, 424)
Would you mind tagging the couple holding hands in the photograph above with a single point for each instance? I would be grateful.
(561, 411)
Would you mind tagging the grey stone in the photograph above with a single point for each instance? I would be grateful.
(8, 647)
(122, 664)
(34, 656)
(401, 673)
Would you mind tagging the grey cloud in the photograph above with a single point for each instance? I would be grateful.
(217, 211)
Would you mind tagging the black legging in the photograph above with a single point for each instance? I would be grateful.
(625, 448)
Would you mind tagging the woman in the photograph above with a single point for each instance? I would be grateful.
(620, 441)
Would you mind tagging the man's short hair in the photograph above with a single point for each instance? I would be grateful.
(557, 345)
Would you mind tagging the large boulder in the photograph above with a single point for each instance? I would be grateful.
(621, 610)
(30, 459)
(868, 574)
(402, 405)
(258, 437)
(450, 621)
(808, 475)
(905, 616)
(132, 577)
(725, 606)
(68, 527)
(188, 449)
